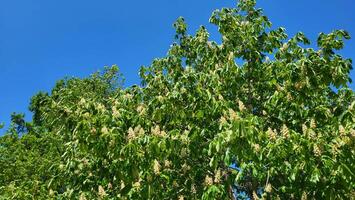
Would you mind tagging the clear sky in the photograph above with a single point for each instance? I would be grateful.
(42, 41)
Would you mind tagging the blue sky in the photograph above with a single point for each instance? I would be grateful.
(43, 41)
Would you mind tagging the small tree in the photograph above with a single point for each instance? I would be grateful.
(202, 126)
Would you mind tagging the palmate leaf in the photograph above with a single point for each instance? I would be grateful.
(253, 116)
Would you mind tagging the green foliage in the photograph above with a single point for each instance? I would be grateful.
(196, 113)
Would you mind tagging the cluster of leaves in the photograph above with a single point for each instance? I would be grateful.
(200, 126)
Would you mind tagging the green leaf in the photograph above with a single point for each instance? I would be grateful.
(315, 175)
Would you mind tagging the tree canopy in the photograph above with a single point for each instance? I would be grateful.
(259, 115)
